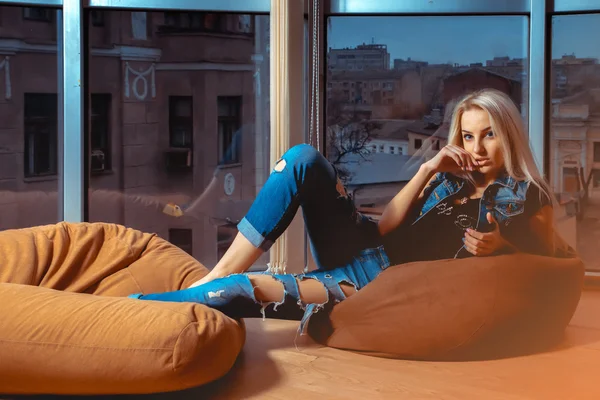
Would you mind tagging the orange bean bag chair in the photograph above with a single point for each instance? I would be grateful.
(467, 309)
(66, 326)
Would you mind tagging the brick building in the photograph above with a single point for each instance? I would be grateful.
(177, 101)
(472, 79)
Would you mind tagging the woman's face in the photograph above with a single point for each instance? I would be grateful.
(479, 140)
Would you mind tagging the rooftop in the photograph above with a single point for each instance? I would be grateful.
(377, 168)
(487, 71)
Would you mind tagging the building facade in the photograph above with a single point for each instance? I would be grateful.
(363, 57)
(177, 101)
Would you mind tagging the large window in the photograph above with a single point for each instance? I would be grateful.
(189, 88)
(574, 130)
(392, 82)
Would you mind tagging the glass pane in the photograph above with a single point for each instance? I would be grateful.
(391, 84)
(574, 132)
(186, 89)
(28, 117)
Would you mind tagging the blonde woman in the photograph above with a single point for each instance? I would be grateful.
(480, 195)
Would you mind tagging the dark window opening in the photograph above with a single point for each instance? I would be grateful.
(40, 134)
(229, 123)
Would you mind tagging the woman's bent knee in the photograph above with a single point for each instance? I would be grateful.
(303, 155)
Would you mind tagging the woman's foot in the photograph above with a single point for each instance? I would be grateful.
(216, 294)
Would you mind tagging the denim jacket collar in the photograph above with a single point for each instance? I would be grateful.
(506, 180)
(503, 179)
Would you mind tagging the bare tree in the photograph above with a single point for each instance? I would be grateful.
(349, 130)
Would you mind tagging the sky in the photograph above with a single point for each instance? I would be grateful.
(463, 39)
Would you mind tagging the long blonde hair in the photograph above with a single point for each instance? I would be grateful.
(507, 124)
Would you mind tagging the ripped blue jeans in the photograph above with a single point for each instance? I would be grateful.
(365, 267)
(346, 245)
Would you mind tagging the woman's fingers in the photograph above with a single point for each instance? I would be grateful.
(476, 250)
(448, 152)
(477, 240)
(465, 159)
(468, 160)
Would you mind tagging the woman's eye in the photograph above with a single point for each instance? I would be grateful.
(467, 137)
(490, 134)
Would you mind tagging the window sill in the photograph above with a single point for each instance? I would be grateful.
(228, 166)
(102, 173)
(43, 178)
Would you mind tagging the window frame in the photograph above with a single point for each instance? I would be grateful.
(71, 57)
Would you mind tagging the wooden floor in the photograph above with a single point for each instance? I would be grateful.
(271, 367)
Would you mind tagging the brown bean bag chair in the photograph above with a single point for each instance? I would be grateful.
(66, 327)
(469, 309)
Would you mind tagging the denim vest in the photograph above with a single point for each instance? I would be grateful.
(504, 198)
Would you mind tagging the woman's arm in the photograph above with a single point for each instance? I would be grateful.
(543, 229)
(450, 159)
(489, 243)
(396, 211)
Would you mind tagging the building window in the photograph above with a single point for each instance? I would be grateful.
(100, 159)
(229, 123)
(392, 150)
(596, 151)
(381, 148)
(596, 178)
(97, 18)
(181, 121)
(175, 22)
(570, 180)
(418, 143)
(182, 238)
(37, 14)
(190, 21)
(40, 134)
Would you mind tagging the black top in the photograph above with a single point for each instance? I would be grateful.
(437, 235)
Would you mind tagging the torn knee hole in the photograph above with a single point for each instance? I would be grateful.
(314, 295)
(348, 288)
(280, 165)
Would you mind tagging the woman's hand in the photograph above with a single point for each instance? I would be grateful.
(484, 244)
(452, 159)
